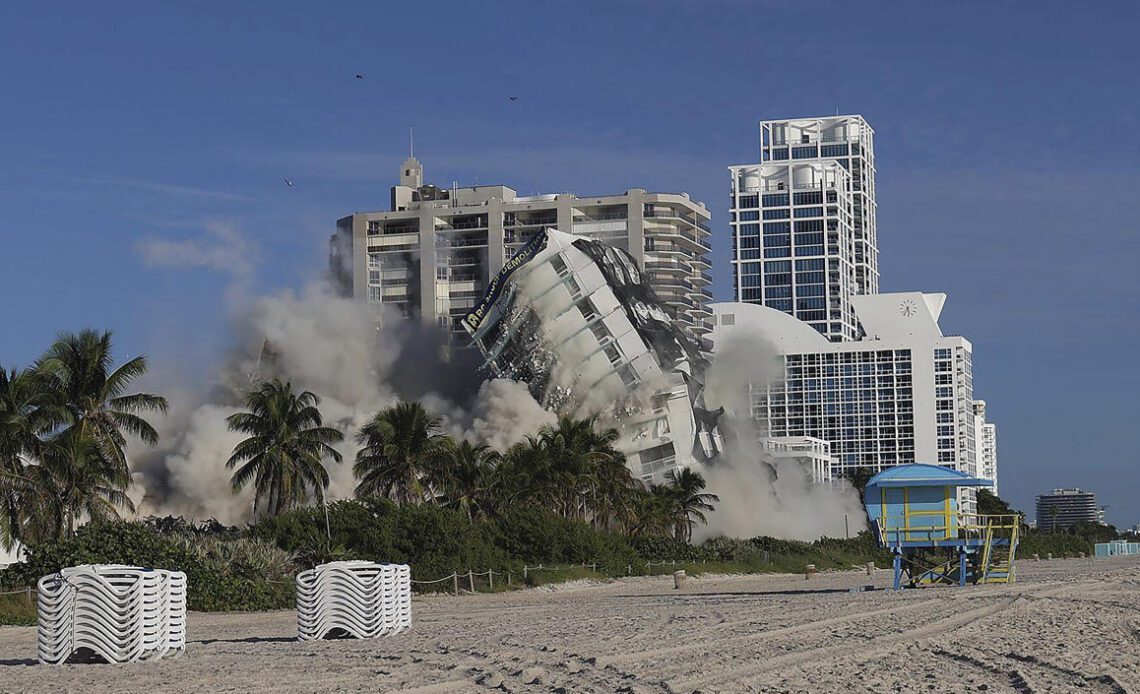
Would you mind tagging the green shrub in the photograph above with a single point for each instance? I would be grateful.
(537, 536)
(434, 541)
(239, 574)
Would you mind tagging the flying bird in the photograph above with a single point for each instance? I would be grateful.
(288, 183)
(512, 98)
(359, 76)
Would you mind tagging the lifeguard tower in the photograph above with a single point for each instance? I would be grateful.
(913, 511)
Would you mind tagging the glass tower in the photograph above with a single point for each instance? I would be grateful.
(803, 221)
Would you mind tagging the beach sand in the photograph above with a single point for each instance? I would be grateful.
(1065, 626)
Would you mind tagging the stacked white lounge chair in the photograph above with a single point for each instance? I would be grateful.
(354, 598)
(119, 613)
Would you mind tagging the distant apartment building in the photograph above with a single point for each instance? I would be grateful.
(901, 394)
(986, 441)
(432, 254)
(803, 222)
(1062, 508)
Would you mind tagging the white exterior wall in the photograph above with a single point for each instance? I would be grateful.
(986, 433)
(894, 417)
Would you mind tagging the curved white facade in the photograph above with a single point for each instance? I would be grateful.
(902, 394)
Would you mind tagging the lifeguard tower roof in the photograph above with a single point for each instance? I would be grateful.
(922, 475)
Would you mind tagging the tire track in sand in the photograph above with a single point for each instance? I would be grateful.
(873, 648)
(657, 653)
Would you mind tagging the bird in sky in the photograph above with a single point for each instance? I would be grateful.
(288, 183)
(359, 76)
(512, 98)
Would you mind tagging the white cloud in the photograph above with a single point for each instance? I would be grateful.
(223, 248)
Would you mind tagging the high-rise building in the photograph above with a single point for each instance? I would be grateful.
(803, 221)
(901, 394)
(1063, 507)
(986, 433)
(432, 254)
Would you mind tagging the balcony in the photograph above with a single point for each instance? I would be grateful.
(677, 233)
(586, 219)
(672, 215)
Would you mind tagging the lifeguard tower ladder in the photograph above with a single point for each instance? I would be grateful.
(913, 511)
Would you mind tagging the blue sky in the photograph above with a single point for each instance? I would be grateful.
(1007, 139)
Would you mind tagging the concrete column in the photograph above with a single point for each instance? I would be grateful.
(635, 225)
(427, 264)
(565, 206)
(359, 257)
(496, 248)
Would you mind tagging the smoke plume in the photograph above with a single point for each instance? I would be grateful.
(761, 494)
(356, 362)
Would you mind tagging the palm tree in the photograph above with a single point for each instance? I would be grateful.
(654, 512)
(74, 479)
(687, 489)
(465, 479)
(524, 475)
(23, 418)
(287, 444)
(402, 449)
(92, 398)
(578, 454)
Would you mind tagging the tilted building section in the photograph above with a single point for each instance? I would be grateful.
(578, 322)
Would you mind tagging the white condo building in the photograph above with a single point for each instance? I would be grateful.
(432, 254)
(986, 433)
(803, 222)
(901, 394)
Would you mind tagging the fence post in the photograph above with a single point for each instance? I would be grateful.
(524, 572)
(509, 573)
(491, 578)
(471, 580)
(455, 577)
(629, 569)
(28, 592)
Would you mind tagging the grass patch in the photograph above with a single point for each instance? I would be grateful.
(18, 610)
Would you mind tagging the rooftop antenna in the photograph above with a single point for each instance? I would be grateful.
(411, 143)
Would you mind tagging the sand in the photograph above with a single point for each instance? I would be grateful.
(1066, 626)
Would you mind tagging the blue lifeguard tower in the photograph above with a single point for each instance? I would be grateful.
(913, 511)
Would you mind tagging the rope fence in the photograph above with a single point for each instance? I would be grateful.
(470, 575)
(23, 591)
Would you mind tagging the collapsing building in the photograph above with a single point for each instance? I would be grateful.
(575, 320)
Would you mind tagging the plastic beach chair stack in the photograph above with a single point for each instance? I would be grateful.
(119, 613)
(354, 598)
